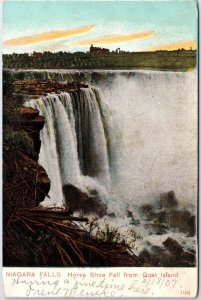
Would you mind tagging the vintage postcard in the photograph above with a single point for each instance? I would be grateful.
(100, 149)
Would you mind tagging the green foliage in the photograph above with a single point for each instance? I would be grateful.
(13, 136)
(11, 117)
(159, 60)
(110, 235)
(7, 84)
(17, 138)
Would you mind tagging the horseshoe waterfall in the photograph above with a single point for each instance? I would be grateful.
(75, 147)
(126, 140)
(123, 149)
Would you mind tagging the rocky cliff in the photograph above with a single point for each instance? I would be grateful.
(26, 183)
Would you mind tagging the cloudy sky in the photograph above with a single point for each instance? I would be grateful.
(75, 25)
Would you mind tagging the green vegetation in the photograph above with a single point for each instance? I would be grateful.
(109, 234)
(180, 60)
(13, 137)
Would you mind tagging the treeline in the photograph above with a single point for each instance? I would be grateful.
(161, 60)
(48, 60)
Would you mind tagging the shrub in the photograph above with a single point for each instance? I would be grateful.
(110, 235)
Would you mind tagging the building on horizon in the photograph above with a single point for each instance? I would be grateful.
(37, 54)
(98, 50)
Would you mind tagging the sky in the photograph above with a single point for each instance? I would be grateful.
(74, 25)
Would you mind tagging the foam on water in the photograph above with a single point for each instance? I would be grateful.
(131, 138)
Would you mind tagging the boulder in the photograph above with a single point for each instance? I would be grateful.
(162, 217)
(173, 247)
(74, 197)
(180, 257)
(78, 200)
(168, 201)
(148, 211)
(181, 220)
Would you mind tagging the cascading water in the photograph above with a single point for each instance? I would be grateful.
(92, 145)
(142, 144)
(73, 142)
(151, 142)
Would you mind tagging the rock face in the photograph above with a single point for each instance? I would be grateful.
(78, 200)
(26, 183)
(35, 176)
(32, 123)
(36, 88)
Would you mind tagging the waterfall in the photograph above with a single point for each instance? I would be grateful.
(127, 153)
(141, 144)
(74, 148)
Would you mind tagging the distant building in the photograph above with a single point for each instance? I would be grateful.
(98, 50)
(37, 54)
